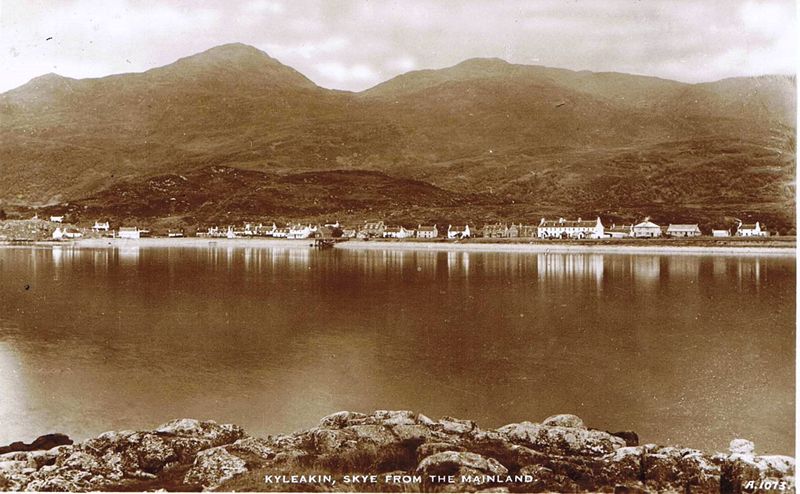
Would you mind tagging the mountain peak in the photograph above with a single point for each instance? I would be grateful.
(236, 60)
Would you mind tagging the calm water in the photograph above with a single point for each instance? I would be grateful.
(691, 350)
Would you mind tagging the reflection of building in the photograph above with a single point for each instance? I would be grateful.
(684, 267)
(569, 266)
(683, 231)
(562, 228)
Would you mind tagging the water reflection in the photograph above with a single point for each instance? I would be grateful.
(273, 339)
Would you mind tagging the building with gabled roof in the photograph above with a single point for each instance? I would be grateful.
(562, 228)
(427, 231)
(646, 229)
(683, 230)
(458, 231)
(751, 230)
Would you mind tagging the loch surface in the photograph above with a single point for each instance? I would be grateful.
(689, 350)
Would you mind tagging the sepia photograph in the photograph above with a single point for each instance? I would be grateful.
(398, 246)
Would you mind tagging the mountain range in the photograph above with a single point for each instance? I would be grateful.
(484, 136)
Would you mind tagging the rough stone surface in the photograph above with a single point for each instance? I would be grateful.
(564, 420)
(559, 454)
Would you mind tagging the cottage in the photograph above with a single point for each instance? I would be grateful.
(497, 230)
(621, 231)
(720, 233)
(527, 231)
(58, 234)
(57, 219)
(683, 231)
(513, 231)
(427, 231)
(301, 231)
(579, 228)
(372, 229)
(175, 233)
(751, 230)
(458, 231)
(100, 226)
(132, 232)
(646, 229)
(397, 232)
(281, 233)
(71, 232)
(348, 232)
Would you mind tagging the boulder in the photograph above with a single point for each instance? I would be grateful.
(562, 441)
(447, 461)
(44, 442)
(742, 447)
(214, 466)
(564, 420)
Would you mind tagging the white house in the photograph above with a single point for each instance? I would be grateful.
(579, 228)
(100, 227)
(646, 229)
(621, 231)
(280, 233)
(301, 231)
(720, 233)
(70, 232)
(683, 231)
(58, 234)
(397, 232)
(458, 231)
(57, 219)
(751, 230)
(129, 232)
(427, 231)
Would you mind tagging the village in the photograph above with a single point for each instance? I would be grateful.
(546, 229)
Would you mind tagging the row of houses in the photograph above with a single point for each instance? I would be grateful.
(560, 228)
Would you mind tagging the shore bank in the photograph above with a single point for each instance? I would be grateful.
(392, 451)
(699, 247)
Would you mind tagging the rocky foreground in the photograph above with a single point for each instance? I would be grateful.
(396, 451)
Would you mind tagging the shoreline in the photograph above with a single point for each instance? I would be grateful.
(469, 246)
(387, 451)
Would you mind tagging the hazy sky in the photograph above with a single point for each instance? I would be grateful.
(357, 43)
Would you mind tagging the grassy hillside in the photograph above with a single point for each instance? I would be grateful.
(525, 135)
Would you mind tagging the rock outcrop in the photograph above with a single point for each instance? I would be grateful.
(392, 451)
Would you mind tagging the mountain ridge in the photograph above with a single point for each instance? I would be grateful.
(530, 134)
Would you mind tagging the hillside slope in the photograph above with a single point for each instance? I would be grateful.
(528, 134)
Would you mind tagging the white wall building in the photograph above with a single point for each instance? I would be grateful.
(646, 229)
(562, 228)
(751, 230)
(683, 231)
(100, 226)
(458, 231)
(132, 232)
(427, 231)
(397, 232)
(301, 231)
